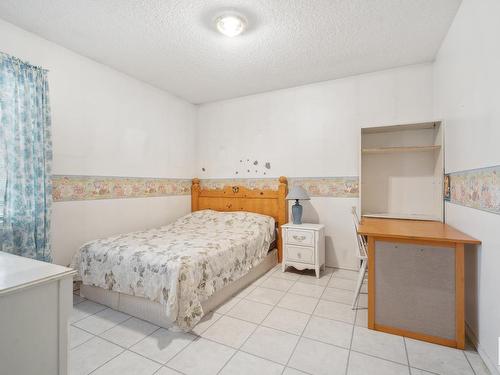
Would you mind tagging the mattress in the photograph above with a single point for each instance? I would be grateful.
(180, 265)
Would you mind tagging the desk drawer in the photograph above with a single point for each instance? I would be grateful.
(300, 237)
(300, 254)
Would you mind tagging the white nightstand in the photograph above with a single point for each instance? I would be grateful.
(304, 246)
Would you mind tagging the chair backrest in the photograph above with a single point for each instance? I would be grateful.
(361, 251)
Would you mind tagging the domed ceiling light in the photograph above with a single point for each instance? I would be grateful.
(230, 25)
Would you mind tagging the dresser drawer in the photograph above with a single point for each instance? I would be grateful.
(300, 254)
(300, 237)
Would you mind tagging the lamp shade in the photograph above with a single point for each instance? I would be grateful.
(297, 192)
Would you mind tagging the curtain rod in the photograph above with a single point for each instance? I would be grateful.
(24, 62)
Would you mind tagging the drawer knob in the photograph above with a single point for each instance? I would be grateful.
(299, 255)
(299, 238)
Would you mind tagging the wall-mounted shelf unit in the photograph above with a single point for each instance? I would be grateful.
(390, 150)
(402, 169)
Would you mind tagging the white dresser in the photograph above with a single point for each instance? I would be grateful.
(304, 246)
(36, 299)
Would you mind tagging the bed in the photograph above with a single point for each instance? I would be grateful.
(175, 274)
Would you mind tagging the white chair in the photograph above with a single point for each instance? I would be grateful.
(362, 255)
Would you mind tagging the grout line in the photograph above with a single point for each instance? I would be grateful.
(421, 369)
(88, 316)
(195, 337)
(76, 346)
(106, 330)
(255, 329)
(91, 372)
(300, 337)
(470, 364)
(352, 338)
(376, 356)
(407, 356)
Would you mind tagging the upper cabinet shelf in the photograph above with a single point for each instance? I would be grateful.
(390, 150)
(402, 168)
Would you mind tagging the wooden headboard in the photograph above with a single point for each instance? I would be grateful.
(240, 198)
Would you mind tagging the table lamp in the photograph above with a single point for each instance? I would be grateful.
(297, 193)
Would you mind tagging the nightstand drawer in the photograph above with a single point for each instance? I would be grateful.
(300, 237)
(300, 254)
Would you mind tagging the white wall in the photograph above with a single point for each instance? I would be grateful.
(467, 93)
(312, 131)
(109, 124)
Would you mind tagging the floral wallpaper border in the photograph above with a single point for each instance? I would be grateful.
(477, 188)
(77, 188)
(337, 187)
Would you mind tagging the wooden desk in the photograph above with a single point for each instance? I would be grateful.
(420, 284)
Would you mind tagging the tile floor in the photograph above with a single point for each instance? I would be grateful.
(285, 323)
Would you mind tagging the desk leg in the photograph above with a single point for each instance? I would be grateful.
(459, 296)
(371, 282)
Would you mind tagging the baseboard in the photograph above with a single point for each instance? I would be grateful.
(471, 335)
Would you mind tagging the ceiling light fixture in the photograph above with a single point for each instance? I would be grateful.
(230, 25)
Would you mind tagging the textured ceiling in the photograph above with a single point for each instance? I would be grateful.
(172, 44)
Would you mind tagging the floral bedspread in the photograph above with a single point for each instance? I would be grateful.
(180, 264)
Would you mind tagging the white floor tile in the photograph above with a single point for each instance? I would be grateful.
(363, 301)
(335, 310)
(338, 295)
(251, 311)
(259, 281)
(309, 290)
(167, 371)
(477, 363)
(277, 283)
(102, 321)
(129, 332)
(247, 364)
(345, 274)
(271, 344)
(228, 305)
(163, 344)
(205, 322)
(77, 336)
(77, 299)
(437, 358)
(379, 344)
(362, 317)
(292, 371)
(128, 363)
(415, 371)
(347, 284)
(286, 320)
(229, 331)
(202, 357)
(265, 295)
(290, 274)
(298, 303)
(85, 309)
(94, 353)
(319, 359)
(277, 268)
(361, 364)
(311, 278)
(246, 291)
(329, 331)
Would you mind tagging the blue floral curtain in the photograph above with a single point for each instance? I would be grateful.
(25, 159)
